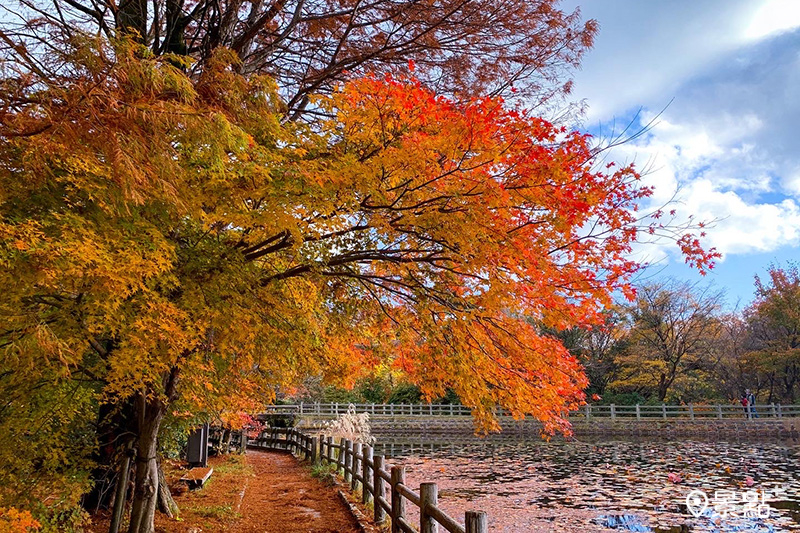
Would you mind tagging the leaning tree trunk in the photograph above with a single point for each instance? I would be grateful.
(121, 490)
(165, 503)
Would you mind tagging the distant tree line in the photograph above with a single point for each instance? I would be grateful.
(676, 343)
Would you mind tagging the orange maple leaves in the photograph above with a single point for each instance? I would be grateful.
(477, 224)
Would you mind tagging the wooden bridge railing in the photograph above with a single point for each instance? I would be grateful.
(690, 411)
(375, 478)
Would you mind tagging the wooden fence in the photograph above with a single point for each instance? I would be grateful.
(688, 411)
(361, 470)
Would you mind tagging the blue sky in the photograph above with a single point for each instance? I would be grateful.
(728, 73)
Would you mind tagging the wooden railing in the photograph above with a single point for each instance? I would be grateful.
(375, 478)
(690, 411)
(687, 411)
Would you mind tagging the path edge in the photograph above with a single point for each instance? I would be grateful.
(364, 524)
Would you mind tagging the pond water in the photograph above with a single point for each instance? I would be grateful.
(609, 485)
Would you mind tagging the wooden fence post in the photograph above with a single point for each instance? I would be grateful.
(356, 466)
(340, 458)
(691, 412)
(314, 446)
(329, 447)
(428, 496)
(379, 515)
(772, 406)
(780, 414)
(476, 522)
(398, 504)
(588, 411)
(638, 412)
(613, 412)
(348, 460)
(664, 410)
(719, 411)
(365, 473)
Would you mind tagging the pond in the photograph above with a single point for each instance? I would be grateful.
(609, 485)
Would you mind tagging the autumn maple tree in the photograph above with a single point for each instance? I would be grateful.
(172, 244)
(773, 321)
(674, 339)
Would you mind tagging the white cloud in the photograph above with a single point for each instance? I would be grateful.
(645, 50)
(743, 227)
(710, 172)
(728, 142)
(773, 17)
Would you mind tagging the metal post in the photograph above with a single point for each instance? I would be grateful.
(379, 515)
(476, 522)
(428, 497)
(398, 504)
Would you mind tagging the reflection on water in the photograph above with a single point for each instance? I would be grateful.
(619, 485)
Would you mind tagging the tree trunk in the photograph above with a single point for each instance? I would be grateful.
(226, 442)
(150, 411)
(165, 502)
(121, 491)
(132, 19)
(145, 493)
(114, 426)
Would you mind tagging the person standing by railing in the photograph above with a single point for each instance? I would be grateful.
(751, 403)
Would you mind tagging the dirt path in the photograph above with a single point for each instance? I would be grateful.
(262, 492)
(283, 498)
